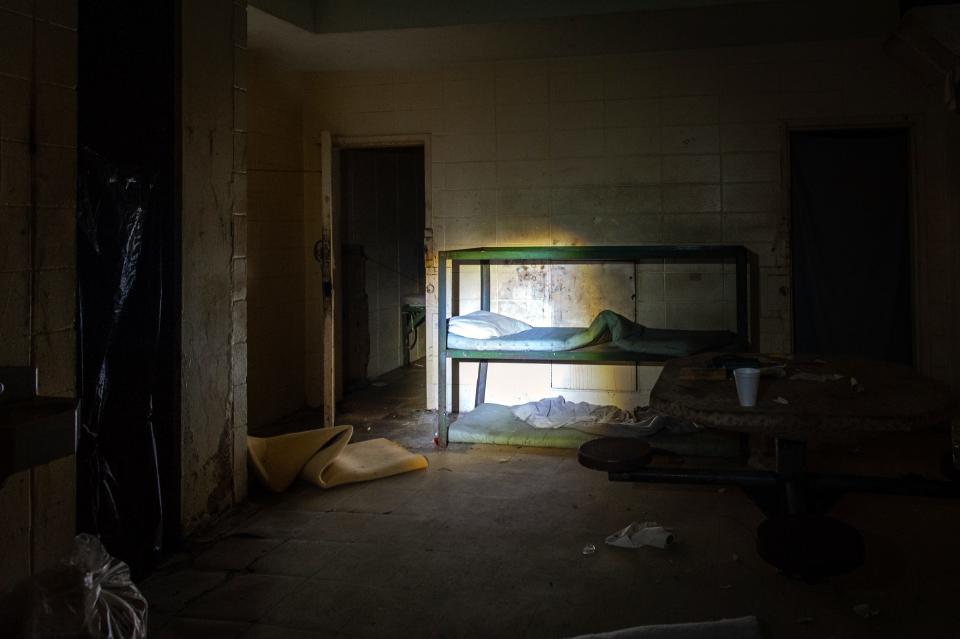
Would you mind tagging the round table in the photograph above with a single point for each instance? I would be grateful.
(885, 397)
(800, 398)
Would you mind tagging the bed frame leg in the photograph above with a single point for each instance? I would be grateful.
(442, 421)
(484, 306)
(481, 384)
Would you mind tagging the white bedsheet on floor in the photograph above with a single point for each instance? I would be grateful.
(557, 412)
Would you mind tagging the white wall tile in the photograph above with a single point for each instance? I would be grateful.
(637, 112)
(467, 175)
(469, 119)
(691, 168)
(524, 202)
(524, 173)
(468, 92)
(576, 143)
(532, 145)
(576, 115)
(691, 198)
(521, 88)
(636, 169)
(761, 197)
(740, 138)
(641, 82)
(751, 167)
(692, 228)
(522, 117)
(575, 87)
(465, 147)
(690, 140)
(363, 98)
(620, 200)
(699, 109)
(633, 141)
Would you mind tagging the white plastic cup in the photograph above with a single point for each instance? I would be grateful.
(748, 380)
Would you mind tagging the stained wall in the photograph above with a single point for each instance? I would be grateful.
(673, 147)
(38, 103)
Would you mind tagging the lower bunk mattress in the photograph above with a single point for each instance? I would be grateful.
(496, 424)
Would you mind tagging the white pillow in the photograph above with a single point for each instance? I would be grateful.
(484, 325)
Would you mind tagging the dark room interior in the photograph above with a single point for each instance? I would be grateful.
(623, 319)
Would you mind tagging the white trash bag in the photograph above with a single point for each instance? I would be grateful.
(89, 595)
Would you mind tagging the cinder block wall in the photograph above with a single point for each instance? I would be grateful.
(661, 147)
(38, 63)
(275, 269)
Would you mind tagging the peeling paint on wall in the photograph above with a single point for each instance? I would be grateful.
(213, 355)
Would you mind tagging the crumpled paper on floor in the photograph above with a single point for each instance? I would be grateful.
(639, 534)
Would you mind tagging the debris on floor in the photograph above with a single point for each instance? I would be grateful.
(813, 377)
(637, 535)
(589, 549)
(866, 610)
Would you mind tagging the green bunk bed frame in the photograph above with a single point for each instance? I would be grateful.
(746, 282)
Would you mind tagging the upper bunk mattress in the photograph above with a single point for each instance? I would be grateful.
(607, 327)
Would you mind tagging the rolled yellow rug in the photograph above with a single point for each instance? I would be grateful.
(362, 461)
(325, 457)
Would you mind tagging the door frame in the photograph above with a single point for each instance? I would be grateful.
(914, 128)
(329, 211)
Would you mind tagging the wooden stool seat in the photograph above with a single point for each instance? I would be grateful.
(614, 454)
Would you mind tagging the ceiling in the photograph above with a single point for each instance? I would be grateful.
(342, 16)
(335, 35)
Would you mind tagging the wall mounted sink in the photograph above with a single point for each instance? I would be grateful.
(33, 430)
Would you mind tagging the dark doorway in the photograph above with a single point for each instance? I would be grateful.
(850, 199)
(382, 205)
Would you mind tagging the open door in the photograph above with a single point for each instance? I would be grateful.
(326, 252)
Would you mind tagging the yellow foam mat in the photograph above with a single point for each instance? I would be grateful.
(326, 458)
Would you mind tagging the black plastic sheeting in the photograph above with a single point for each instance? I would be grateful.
(120, 299)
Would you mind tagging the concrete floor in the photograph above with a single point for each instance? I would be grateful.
(488, 542)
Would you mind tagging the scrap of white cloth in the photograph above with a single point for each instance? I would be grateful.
(557, 412)
(637, 535)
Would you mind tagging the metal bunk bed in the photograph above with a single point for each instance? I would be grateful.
(746, 308)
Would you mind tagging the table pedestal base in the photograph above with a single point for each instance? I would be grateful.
(810, 546)
(797, 537)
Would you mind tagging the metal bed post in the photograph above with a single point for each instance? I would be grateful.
(453, 284)
(753, 270)
(484, 306)
(442, 425)
(742, 306)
